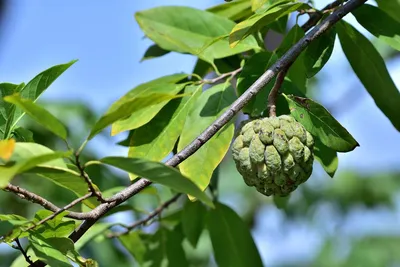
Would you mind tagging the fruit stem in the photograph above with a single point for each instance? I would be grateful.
(273, 95)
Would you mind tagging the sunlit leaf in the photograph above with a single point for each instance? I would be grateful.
(235, 10)
(52, 250)
(7, 110)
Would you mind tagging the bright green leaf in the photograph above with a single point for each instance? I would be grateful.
(257, 21)
(193, 221)
(327, 157)
(9, 221)
(155, 140)
(210, 105)
(318, 52)
(252, 70)
(154, 51)
(39, 114)
(52, 250)
(56, 227)
(371, 70)
(158, 173)
(235, 10)
(191, 31)
(320, 123)
(95, 230)
(231, 236)
(380, 24)
(7, 110)
(133, 243)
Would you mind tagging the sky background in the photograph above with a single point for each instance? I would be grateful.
(109, 44)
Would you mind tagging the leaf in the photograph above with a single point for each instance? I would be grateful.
(140, 117)
(231, 236)
(155, 140)
(257, 21)
(128, 108)
(321, 124)
(39, 84)
(189, 30)
(318, 52)
(133, 243)
(95, 230)
(235, 10)
(392, 7)
(22, 135)
(26, 156)
(8, 222)
(154, 51)
(380, 24)
(52, 250)
(326, 156)
(6, 148)
(39, 114)
(56, 227)
(375, 78)
(193, 221)
(281, 202)
(158, 173)
(7, 110)
(252, 70)
(210, 105)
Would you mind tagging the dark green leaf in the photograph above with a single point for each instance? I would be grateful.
(7, 110)
(371, 70)
(257, 21)
(379, 24)
(392, 7)
(52, 250)
(154, 51)
(281, 202)
(231, 236)
(191, 31)
(320, 123)
(39, 114)
(22, 135)
(175, 253)
(193, 221)
(252, 70)
(210, 105)
(326, 156)
(158, 173)
(235, 10)
(10, 221)
(318, 52)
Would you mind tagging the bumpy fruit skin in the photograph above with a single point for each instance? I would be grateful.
(274, 154)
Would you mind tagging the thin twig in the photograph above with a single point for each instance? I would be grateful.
(273, 95)
(34, 198)
(23, 252)
(284, 61)
(222, 76)
(70, 205)
(316, 16)
(145, 220)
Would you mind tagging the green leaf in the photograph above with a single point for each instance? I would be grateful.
(257, 21)
(193, 221)
(39, 84)
(10, 221)
(235, 10)
(281, 202)
(20, 260)
(7, 110)
(392, 7)
(154, 51)
(22, 135)
(189, 30)
(26, 156)
(95, 230)
(252, 70)
(39, 114)
(155, 140)
(231, 236)
(158, 173)
(375, 78)
(210, 105)
(133, 243)
(320, 123)
(318, 52)
(296, 71)
(380, 24)
(326, 156)
(152, 101)
(52, 250)
(56, 227)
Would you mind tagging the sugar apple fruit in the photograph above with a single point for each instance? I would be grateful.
(273, 154)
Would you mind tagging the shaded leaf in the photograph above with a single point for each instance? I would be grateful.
(327, 157)
(235, 10)
(281, 202)
(257, 21)
(193, 221)
(52, 250)
(191, 31)
(133, 243)
(231, 236)
(10, 221)
(155, 140)
(210, 105)
(95, 230)
(39, 114)
(318, 52)
(158, 173)
(320, 123)
(154, 51)
(380, 24)
(22, 135)
(392, 7)
(375, 78)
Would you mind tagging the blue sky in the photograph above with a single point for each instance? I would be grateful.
(105, 38)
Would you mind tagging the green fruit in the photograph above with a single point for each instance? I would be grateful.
(274, 155)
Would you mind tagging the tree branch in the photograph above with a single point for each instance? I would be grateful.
(273, 95)
(316, 16)
(20, 248)
(222, 76)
